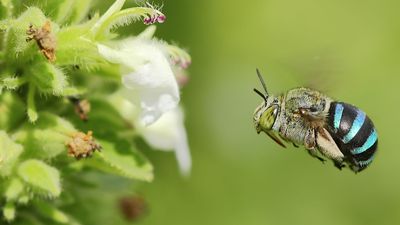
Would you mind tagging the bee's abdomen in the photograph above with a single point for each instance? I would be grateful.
(354, 133)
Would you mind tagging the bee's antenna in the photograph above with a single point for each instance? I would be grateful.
(261, 94)
(262, 82)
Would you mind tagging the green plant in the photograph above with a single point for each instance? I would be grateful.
(73, 98)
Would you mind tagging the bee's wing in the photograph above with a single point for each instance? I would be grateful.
(327, 145)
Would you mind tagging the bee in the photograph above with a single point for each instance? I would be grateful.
(326, 128)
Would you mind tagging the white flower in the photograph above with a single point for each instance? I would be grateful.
(146, 75)
(150, 93)
(169, 133)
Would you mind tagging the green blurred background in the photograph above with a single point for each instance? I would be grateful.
(347, 49)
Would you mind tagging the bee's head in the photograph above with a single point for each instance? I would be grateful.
(266, 113)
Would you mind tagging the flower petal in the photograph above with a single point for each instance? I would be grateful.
(169, 133)
(182, 152)
(147, 76)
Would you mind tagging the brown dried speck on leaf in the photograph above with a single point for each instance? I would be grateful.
(82, 107)
(45, 39)
(133, 207)
(82, 145)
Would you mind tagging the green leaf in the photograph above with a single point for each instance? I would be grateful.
(80, 11)
(123, 18)
(23, 199)
(13, 83)
(43, 144)
(7, 8)
(16, 34)
(121, 159)
(9, 211)
(113, 9)
(69, 11)
(72, 91)
(4, 24)
(117, 156)
(32, 113)
(48, 78)
(14, 189)
(59, 10)
(64, 10)
(9, 153)
(12, 111)
(46, 138)
(51, 121)
(104, 120)
(76, 48)
(50, 212)
(43, 178)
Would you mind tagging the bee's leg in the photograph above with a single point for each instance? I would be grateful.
(328, 147)
(314, 154)
(309, 139)
(310, 145)
(338, 165)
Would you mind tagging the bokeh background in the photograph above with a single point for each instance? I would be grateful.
(347, 49)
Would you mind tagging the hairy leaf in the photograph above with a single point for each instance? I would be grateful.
(43, 178)
(48, 78)
(12, 111)
(75, 47)
(104, 120)
(46, 138)
(32, 113)
(80, 11)
(49, 211)
(14, 189)
(9, 211)
(123, 160)
(125, 17)
(16, 43)
(9, 153)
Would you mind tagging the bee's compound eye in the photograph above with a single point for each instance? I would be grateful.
(268, 117)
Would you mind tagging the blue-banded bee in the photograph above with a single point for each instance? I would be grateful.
(326, 128)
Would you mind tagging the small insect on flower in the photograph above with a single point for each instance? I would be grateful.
(45, 39)
(82, 145)
(326, 128)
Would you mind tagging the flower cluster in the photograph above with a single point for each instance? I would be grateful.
(149, 83)
(71, 88)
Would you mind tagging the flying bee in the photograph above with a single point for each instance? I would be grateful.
(326, 128)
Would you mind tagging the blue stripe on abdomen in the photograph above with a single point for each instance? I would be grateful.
(355, 127)
(338, 116)
(367, 144)
(366, 162)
